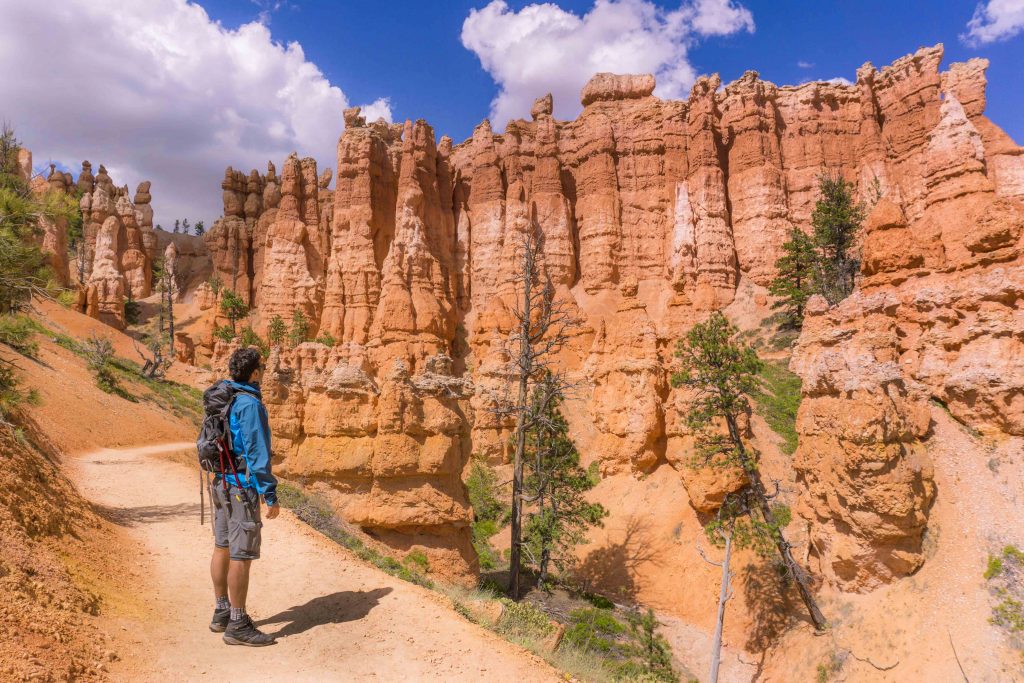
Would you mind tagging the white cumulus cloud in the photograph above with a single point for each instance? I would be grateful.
(156, 90)
(544, 48)
(993, 21)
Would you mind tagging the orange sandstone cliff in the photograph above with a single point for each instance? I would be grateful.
(654, 213)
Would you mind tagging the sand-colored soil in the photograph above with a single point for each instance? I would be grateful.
(337, 619)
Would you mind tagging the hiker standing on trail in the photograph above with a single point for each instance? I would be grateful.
(234, 445)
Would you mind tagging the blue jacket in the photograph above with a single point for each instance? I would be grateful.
(250, 438)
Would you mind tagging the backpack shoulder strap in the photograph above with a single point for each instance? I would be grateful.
(226, 416)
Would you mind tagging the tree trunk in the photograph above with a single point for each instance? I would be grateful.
(524, 363)
(170, 313)
(785, 549)
(160, 322)
(723, 597)
(517, 493)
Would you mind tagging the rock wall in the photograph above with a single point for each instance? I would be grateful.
(936, 317)
(119, 245)
(653, 213)
(54, 230)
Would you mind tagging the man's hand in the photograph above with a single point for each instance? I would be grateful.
(273, 511)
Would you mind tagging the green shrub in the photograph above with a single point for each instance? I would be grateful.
(490, 514)
(995, 567)
(1005, 576)
(132, 311)
(11, 393)
(326, 339)
(223, 333)
(524, 620)
(417, 560)
(594, 630)
(598, 601)
(1009, 613)
(67, 298)
(99, 354)
(778, 400)
(18, 332)
(248, 337)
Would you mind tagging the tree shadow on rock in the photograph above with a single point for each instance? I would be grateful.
(771, 601)
(612, 568)
(336, 608)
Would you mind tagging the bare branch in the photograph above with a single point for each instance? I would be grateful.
(700, 551)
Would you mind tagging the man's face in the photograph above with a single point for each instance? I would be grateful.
(256, 376)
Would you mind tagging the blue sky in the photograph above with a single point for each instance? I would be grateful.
(173, 91)
(411, 51)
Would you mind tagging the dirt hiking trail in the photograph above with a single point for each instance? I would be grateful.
(336, 618)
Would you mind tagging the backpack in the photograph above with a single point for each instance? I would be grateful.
(214, 441)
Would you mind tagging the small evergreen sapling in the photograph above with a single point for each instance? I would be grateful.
(794, 283)
(299, 329)
(233, 308)
(837, 219)
(277, 331)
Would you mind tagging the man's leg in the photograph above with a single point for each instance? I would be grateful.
(219, 571)
(244, 544)
(238, 583)
(219, 561)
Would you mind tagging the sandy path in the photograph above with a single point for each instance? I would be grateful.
(337, 619)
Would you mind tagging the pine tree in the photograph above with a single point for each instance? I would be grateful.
(185, 226)
(177, 225)
(299, 329)
(23, 269)
(277, 331)
(836, 219)
(233, 308)
(200, 229)
(542, 323)
(720, 374)
(794, 283)
(649, 652)
(555, 485)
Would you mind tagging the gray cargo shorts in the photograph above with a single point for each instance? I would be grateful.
(236, 521)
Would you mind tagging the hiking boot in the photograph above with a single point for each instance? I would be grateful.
(244, 632)
(220, 620)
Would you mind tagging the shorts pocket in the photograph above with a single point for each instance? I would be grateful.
(245, 543)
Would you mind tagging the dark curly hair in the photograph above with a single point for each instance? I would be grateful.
(243, 363)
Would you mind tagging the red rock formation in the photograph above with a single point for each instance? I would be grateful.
(935, 317)
(653, 214)
(119, 245)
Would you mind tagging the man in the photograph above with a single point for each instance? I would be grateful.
(236, 517)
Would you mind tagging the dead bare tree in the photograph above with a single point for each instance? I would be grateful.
(724, 594)
(154, 365)
(542, 326)
(167, 285)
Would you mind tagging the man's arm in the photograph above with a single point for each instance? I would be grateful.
(255, 431)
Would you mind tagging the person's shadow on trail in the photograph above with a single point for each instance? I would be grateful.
(336, 608)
